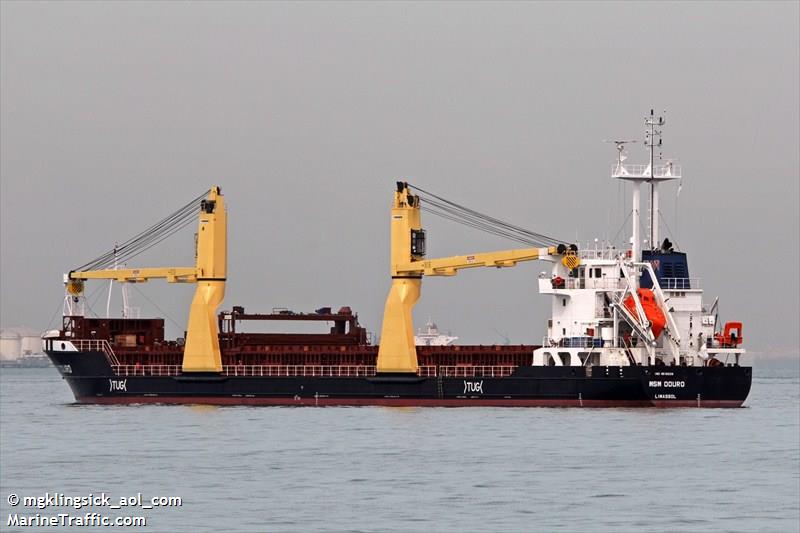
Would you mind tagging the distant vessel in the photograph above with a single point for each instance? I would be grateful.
(430, 336)
(628, 325)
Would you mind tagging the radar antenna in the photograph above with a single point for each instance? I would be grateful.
(620, 149)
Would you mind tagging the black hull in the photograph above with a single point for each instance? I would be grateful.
(93, 381)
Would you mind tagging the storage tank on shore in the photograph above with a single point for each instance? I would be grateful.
(10, 345)
(20, 341)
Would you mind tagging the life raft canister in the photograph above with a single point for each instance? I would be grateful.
(651, 310)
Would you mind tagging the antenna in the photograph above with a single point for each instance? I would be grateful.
(620, 149)
(652, 139)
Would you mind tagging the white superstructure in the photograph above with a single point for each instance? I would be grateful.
(430, 336)
(636, 305)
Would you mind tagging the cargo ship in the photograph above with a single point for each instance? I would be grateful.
(430, 336)
(628, 327)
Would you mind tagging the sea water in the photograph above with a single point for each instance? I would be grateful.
(383, 469)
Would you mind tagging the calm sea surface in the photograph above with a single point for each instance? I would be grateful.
(252, 469)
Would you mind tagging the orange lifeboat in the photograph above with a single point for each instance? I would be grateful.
(651, 310)
(731, 337)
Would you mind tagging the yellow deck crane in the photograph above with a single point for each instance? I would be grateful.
(201, 353)
(397, 352)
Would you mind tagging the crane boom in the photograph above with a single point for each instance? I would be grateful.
(140, 275)
(201, 352)
(449, 266)
(397, 352)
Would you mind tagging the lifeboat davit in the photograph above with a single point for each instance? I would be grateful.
(651, 310)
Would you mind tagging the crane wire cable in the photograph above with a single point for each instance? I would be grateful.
(486, 222)
(163, 237)
(134, 245)
(148, 238)
(480, 227)
(466, 218)
(447, 209)
(145, 243)
(123, 252)
(479, 223)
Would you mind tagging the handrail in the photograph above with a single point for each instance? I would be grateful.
(679, 283)
(299, 370)
(267, 370)
(96, 345)
(607, 253)
(595, 283)
(486, 371)
(147, 370)
(476, 371)
(667, 170)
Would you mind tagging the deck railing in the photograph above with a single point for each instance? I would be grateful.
(595, 283)
(96, 345)
(147, 370)
(299, 370)
(667, 170)
(476, 371)
(267, 370)
(679, 283)
(352, 371)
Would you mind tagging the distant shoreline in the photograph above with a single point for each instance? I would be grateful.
(33, 361)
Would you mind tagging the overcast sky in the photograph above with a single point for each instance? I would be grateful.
(114, 114)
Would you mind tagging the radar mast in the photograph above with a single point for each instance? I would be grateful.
(650, 173)
(652, 141)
